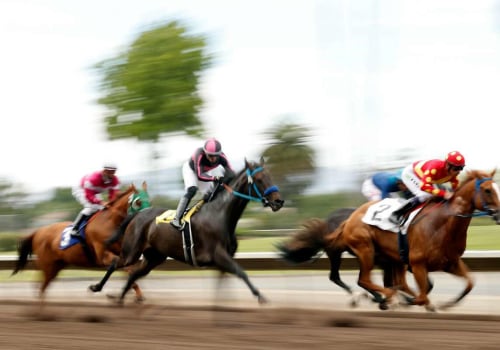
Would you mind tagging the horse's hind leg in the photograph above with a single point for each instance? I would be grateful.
(151, 260)
(366, 258)
(335, 260)
(460, 270)
(225, 263)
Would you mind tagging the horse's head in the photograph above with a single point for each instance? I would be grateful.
(119, 206)
(255, 183)
(486, 195)
(139, 200)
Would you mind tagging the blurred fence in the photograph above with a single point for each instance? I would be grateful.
(476, 260)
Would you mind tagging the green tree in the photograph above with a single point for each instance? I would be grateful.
(12, 197)
(152, 87)
(290, 158)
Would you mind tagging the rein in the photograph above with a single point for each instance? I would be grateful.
(259, 197)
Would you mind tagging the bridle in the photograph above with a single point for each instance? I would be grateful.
(486, 210)
(253, 191)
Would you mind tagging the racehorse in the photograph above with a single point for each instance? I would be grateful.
(47, 242)
(210, 239)
(436, 239)
(306, 245)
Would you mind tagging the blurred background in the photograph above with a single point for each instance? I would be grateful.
(328, 91)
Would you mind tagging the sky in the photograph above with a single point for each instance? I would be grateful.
(369, 78)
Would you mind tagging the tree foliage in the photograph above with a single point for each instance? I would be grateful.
(152, 87)
(290, 158)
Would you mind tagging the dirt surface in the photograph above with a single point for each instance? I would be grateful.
(62, 325)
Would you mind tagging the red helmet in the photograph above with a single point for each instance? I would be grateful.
(212, 147)
(455, 158)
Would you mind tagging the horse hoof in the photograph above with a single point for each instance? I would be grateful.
(139, 300)
(383, 305)
(95, 288)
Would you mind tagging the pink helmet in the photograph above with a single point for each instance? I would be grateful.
(455, 158)
(212, 147)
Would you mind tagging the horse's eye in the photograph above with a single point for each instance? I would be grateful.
(488, 191)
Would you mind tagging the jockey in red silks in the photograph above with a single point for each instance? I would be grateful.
(88, 192)
(424, 179)
(206, 165)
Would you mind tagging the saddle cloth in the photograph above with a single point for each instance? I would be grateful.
(67, 240)
(168, 215)
(378, 215)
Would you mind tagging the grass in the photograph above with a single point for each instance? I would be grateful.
(485, 237)
(478, 238)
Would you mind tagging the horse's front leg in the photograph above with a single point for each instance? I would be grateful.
(460, 270)
(111, 268)
(225, 263)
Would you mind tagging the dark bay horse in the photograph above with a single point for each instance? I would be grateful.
(436, 238)
(211, 241)
(45, 242)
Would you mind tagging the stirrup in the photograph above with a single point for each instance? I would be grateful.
(396, 220)
(75, 233)
(177, 224)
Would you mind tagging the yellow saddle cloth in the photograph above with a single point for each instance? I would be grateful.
(169, 215)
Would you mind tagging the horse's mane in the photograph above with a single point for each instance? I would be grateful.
(121, 194)
(472, 175)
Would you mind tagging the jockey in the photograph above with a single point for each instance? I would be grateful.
(206, 165)
(425, 179)
(88, 191)
(385, 184)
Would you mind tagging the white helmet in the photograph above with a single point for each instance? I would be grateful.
(110, 166)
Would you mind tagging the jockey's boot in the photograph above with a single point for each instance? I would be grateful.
(181, 207)
(397, 216)
(74, 231)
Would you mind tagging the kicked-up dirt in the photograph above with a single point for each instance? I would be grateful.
(64, 325)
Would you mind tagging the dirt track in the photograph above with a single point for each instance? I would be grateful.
(100, 326)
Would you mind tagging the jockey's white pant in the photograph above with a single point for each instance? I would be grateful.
(191, 179)
(414, 183)
(88, 207)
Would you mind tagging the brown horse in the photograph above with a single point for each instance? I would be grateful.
(47, 242)
(210, 240)
(308, 244)
(436, 239)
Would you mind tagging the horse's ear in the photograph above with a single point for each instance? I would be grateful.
(262, 160)
(144, 185)
(493, 172)
(246, 163)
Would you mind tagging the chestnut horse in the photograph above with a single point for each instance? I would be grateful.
(436, 238)
(47, 242)
(306, 245)
(210, 240)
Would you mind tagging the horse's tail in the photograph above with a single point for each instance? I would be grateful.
(24, 250)
(305, 244)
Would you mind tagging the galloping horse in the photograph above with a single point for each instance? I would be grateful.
(436, 239)
(210, 239)
(54, 248)
(308, 244)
